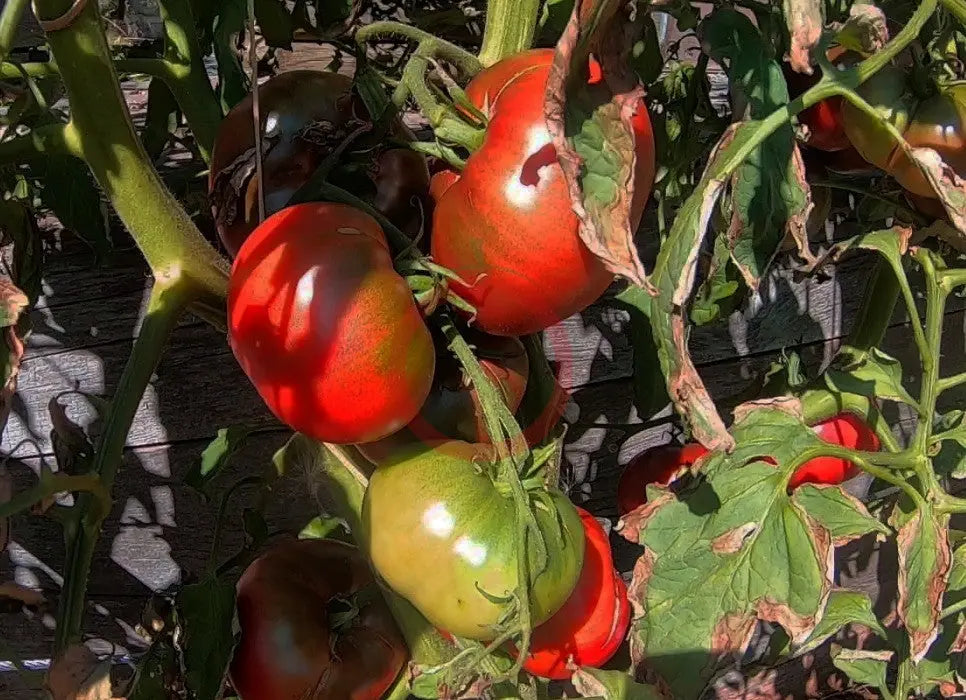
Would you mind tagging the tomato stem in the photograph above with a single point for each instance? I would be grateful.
(53, 483)
(462, 59)
(168, 301)
(510, 27)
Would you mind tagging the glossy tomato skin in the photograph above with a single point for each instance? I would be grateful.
(291, 649)
(439, 531)
(325, 329)
(304, 115)
(940, 124)
(590, 627)
(506, 225)
(656, 465)
(844, 429)
(887, 92)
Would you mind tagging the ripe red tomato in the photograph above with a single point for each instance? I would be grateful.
(325, 329)
(590, 627)
(314, 625)
(654, 466)
(844, 429)
(887, 92)
(506, 225)
(305, 114)
(824, 120)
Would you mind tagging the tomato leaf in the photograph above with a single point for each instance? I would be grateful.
(804, 19)
(611, 685)
(157, 670)
(862, 666)
(275, 23)
(161, 119)
(227, 22)
(217, 455)
(768, 190)
(924, 561)
(322, 527)
(69, 191)
(950, 435)
(865, 30)
(650, 392)
(727, 552)
(873, 373)
(717, 295)
(78, 674)
(956, 586)
(843, 515)
(207, 612)
(591, 128)
(842, 608)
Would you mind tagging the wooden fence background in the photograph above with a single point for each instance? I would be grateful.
(160, 533)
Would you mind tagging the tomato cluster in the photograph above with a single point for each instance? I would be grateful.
(338, 339)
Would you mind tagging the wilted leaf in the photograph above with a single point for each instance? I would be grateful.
(611, 685)
(768, 189)
(947, 183)
(872, 373)
(77, 674)
(12, 303)
(591, 126)
(207, 611)
(717, 295)
(866, 30)
(863, 667)
(924, 561)
(843, 515)
(14, 591)
(843, 608)
(804, 18)
(730, 551)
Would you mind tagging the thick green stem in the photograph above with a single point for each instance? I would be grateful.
(9, 25)
(17, 71)
(510, 26)
(42, 142)
(879, 303)
(951, 382)
(188, 79)
(101, 132)
(169, 299)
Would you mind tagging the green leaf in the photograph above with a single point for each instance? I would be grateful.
(874, 374)
(956, 586)
(650, 390)
(207, 611)
(843, 515)
(768, 188)
(217, 455)
(275, 23)
(843, 608)
(950, 436)
(727, 552)
(924, 561)
(322, 527)
(156, 669)
(69, 191)
(612, 685)
(227, 23)
(718, 289)
(863, 667)
(161, 119)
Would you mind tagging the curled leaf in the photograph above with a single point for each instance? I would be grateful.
(77, 674)
(591, 124)
(865, 31)
(924, 563)
(804, 18)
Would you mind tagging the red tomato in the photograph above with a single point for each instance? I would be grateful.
(844, 429)
(314, 625)
(325, 329)
(590, 627)
(654, 466)
(506, 225)
(824, 120)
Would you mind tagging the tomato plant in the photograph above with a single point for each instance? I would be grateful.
(313, 623)
(439, 508)
(505, 225)
(326, 330)
(590, 627)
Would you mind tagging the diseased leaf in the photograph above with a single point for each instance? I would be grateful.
(872, 373)
(768, 188)
(591, 125)
(206, 611)
(77, 674)
(862, 666)
(843, 515)
(924, 561)
(611, 685)
(717, 295)
(13, 303)
(866, 30)
(729, 551)
(842, 608)
(804, 18)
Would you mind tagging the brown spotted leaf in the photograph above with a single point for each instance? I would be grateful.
(730, 551)
(611, 685)
(591, 124)
(804, 19)
(865, 30)
(924, 562)
(948, 185)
